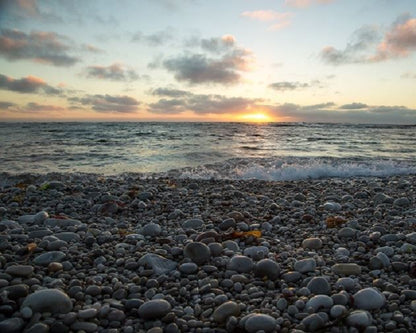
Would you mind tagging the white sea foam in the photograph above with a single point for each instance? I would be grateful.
(292, 168)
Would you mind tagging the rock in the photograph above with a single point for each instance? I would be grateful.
(55, 267)
(198, 252)
(401, 202)
(84, 326)
(225, 310)
(20, 270)
(227, 224)
(48, 300)
(12, 325)
(346, 269)
(154, 309)
(312, 243)
(188, 268)
(387, 250)
(40, 217)
(319, 285)
(193, 224)
(319, 301)
(359, 319)
(16, 291)
(346, 232)
(346, 282)
(159, 264)
(332, 206)
(38, 328)
(68, 236)
(45, 259)
(305, 265)
(411, 238)
(369, 299)
(151, 229)
(260, 322)
(256, 252)
(313, 322)
(267, 268)
(87, 313)
(337, 311)
(241, 264)
(53, 222)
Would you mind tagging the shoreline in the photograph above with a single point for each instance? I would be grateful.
(128, 254)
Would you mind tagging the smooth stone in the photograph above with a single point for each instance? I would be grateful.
(305, 265)
(337, 311)
(291, 276)
(346, 232)
(319, 301)
(267, 268)
(26, 219)
(256, 252)
(346, 282)
(401, 202)
(319, 285)
(346, 269)
(215, 248)
(48, 300)
(151, 229)
(55, 267)
(411, 238)
(260, 322)
(387, 250)
(12, 325)
(225, 310)
(85, 326)
(93, 290)
(68, 236)
(359, 319)
(313, 322)
(193, 224)
(227, 223)
(87, 313)
(198, 252)
(52, 222)
(45, 259)
(241, 264)
(16, 291)
(188, 268)
(369, 299)
(159, 264)
(40, 217)
(407, 248)
(383, 259)
(154, 309)
(312, 243)
(38, 328)
(20, 270)
(332, 206)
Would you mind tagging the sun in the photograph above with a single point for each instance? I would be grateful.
(255, 117)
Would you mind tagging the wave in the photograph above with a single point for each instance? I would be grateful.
(296, 168)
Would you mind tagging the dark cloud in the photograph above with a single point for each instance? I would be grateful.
(198, 103)
(14, 11)
(353, 106)
(5, 105)
(286, 85)
(218, 45)
(155, 39)
(368, 46)
(107, 103)
(356, 51)
(35, 107)
(44, 47)
(28, 84)
(114, 72)
(170, 92)
(198, 68)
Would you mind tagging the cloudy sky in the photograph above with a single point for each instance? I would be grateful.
(208, 60)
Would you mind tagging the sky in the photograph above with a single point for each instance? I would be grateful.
(208, 60)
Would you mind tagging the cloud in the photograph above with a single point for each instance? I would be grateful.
(156, 39)
(329, 112)
(114, 72)
(280, 20)
(12, 11)
(108, 103)
(218, 45)
(200, 104)
(29, 84)
(305, 3)
(353, 106)
(408, 75)
(368, 46)
(286, 85)
(399, 41)
(168, 92)
(6, 105)
(44, 47)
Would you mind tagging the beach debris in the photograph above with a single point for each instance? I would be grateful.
(335, 221)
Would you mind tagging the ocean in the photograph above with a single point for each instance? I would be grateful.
(270, 151)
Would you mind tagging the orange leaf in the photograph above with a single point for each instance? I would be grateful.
(239, 234)
(31, 247)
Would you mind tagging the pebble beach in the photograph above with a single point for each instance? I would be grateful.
(91, 253)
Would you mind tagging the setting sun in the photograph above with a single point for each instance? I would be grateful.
(255, 117)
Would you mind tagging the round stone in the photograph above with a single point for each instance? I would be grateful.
(46, 258)
(260, 322)
(188, 268)
(305, 265)
(241, 264)
(337, 311)
(12, 325)
(346, 269)
(193, 224)
(151, 229)
(267, 268)
(319, 285)
(313, 322)
(20, 270)
(346, 232)
(312, 243)
(154, 309)
(225, 310)
(359, 319)
(48, 300)
(198, 252)
(55, 267)
(319, 301)
(369, 299)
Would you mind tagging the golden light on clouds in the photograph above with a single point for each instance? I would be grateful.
(256, 117)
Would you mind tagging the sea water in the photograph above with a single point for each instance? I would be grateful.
(271, 151)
